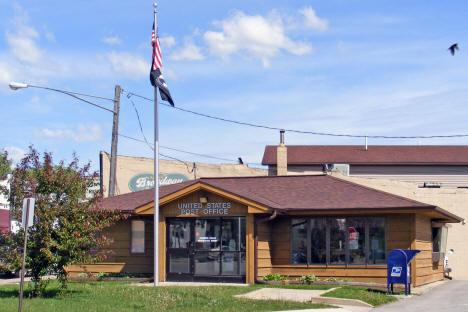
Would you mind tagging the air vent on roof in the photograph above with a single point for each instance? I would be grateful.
(343, 168)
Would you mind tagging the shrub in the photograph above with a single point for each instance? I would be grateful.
(308, 279)
(274, 277)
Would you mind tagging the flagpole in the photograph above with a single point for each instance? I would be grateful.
(156, 175)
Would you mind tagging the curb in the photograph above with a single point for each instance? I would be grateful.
(341, 301)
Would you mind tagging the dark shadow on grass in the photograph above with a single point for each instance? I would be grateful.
(48, 293)
(383, 292)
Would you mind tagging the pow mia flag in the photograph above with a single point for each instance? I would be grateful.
(156, 77)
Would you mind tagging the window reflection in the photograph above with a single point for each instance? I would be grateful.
(179, 234)
(377, 241)
(356, 240)
(318, 240)
(337, 240)
(299, 241)
(207, 234)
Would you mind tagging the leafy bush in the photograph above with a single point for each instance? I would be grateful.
(274, 277)
(308, 279)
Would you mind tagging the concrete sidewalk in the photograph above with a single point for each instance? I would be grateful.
(17, 280)
(305, 295)
(445, 296)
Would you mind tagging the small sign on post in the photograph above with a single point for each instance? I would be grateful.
(28, 219)
(29, 211)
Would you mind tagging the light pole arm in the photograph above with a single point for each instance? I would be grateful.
(74, 95)
(115, 127)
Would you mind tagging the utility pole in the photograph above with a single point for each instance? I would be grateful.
(115, 132)
(194, 170)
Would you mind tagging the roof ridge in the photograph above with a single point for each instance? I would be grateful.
(265, 177)
(278, 205)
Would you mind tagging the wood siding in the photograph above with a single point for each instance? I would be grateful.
(264, 249)
(120, 247)
(447, 176)
(427, 271)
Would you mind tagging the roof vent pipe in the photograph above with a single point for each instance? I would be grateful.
(282, 137)
(366, 143)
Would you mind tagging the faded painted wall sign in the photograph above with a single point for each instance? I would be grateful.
(204, 209)
(145, 181)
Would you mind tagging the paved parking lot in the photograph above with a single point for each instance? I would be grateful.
(451, 296)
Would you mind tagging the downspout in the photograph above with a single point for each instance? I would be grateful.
(256, 222)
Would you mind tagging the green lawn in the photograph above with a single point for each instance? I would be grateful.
(119, 296)
(371, 296)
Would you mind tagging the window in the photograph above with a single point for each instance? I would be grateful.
(318, 240)
(137, 244)
(338, 241)
(376, 241)
(439, 237)
(299, 241)
(356, 240)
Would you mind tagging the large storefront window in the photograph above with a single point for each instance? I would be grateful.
(338, 241)
(318, 240)
(376, 241)
(356, 240)
(299, 241)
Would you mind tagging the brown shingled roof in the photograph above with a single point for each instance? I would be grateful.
(316, 192)
(375, 154)
(130, 201)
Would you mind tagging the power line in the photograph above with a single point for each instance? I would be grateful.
(130, 94)
(166, 147)
(178, 150)
(139, 123)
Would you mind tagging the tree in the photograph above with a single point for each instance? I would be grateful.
(5, 169)
(66, 226)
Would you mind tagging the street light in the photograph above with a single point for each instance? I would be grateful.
(115, 127)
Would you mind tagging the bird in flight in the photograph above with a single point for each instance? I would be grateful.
(452, 48)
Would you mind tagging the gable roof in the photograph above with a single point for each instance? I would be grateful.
(284, 193)
(375, 154)
(130, 201)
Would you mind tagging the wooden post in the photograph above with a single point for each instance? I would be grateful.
(115, 133)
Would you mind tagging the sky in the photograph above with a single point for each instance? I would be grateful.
(337, 66)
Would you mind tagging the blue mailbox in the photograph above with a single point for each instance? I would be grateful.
(398, 268)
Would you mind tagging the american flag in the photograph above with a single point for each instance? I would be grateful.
(156, 77)
(157, 59)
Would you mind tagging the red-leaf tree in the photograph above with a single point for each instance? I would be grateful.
(66, 225)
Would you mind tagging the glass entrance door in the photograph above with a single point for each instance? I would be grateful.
(208, 249)
(179, 249)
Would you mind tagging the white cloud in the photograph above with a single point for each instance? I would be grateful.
(23, 44)
(311, 20)
(189, 52)
(22, 41)
(128, 65)
(115, 40)
(15, 154)
(82, 133)
(167, 41)
(261, 37)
